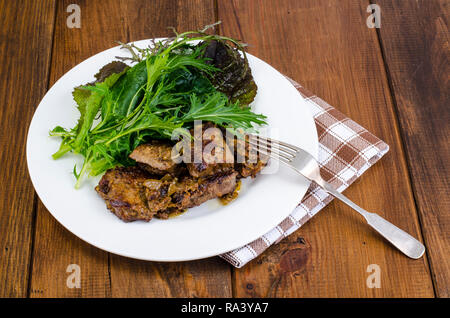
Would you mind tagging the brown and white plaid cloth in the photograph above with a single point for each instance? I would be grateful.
(346, 151)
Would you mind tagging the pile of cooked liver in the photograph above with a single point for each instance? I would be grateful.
(158, 186)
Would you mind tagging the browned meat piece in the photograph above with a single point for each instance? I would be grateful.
(250, 169)
(174, 195)
(248, 161)
(216, 157)
(214, 153)
(204, 189)
(229, 197)
(133, 194)
(208, 166)
(156, 158)
(124, 193)
(203, 169)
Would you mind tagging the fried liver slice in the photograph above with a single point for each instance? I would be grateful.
(248, 162)
(196, 191)
(155, 157)
(133, 194)
(212, 156)
(124, 193)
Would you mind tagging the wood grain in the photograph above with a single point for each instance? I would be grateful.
(204, 278)
(103, 23)
(415, 41)
(25, 43)
(326, 46)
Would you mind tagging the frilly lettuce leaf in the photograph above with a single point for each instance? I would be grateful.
(235, 78)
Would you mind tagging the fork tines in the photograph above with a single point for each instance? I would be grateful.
(275, 149)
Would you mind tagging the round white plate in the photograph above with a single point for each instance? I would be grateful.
(204, 231)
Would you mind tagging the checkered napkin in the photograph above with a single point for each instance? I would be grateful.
(346, 151)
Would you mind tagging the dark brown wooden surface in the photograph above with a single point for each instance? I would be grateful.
(25, 44)
(382, 79)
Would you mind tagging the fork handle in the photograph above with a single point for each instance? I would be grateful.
(399, 238)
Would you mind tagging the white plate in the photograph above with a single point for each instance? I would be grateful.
(204, 231)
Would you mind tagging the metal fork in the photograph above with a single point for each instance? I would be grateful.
(303, 163)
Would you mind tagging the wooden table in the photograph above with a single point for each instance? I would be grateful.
(393, 80)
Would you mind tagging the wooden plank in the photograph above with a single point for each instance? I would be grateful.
(204, 278)
(25, 44)
(415, 41)
(55, 248)
(103, 23)
(327, 47)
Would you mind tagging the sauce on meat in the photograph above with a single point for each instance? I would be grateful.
(227, 198)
